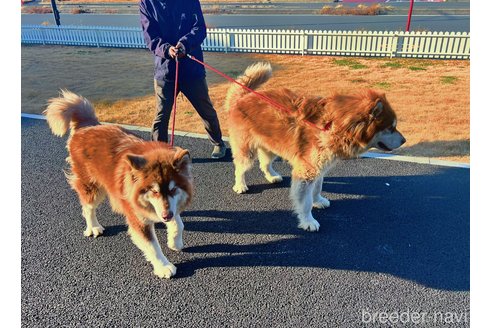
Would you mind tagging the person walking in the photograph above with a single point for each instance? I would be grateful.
(172, 29)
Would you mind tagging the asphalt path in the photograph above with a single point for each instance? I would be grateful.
(396, 239)
(449, 23)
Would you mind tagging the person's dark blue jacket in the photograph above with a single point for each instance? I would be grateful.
(164, 24)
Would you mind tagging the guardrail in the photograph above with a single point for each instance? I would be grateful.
(447, 45)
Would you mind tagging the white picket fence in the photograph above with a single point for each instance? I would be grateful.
(448, 45)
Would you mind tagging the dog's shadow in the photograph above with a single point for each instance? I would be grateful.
(261, 187)
(110, 231)
(412, 227)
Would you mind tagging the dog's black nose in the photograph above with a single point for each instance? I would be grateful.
(403, 140)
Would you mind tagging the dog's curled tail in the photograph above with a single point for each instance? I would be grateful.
(253, 77)
(69, 111)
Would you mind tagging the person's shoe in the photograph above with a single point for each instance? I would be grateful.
(219, 151)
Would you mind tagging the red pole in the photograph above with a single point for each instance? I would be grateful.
(409, 15)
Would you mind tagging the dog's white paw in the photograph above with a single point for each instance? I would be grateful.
(311, 225)
(240, 188)
(175, 245)
(274, 178)
(164, 270)
(93, 231)
(321, 202)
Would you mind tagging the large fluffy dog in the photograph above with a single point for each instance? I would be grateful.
(148, 182)
(311, 133)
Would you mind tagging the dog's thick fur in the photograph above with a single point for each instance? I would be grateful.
(353, 123)
(146, 181)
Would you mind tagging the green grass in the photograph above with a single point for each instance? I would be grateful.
(383, 85)
(358, 66)
(350, 63)
(343, 62)
(89, 52)
(413, 66)
(448, 79)
(83, 52)
(392, 64)
(416, 68)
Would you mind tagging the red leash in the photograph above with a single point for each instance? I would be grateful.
(175, 100)
(265, 98)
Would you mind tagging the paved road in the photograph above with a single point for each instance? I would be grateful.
(450, 23)
(395, 239)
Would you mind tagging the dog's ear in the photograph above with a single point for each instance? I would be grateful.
(181, 159)
(377, 109)
(136, 161)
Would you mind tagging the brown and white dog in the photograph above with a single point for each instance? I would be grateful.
(311, 133)
(147, 182)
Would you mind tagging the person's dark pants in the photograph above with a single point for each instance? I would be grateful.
(197, 93)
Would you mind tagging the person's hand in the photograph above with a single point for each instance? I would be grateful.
(179, 50)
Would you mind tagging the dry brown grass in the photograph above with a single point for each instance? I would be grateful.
(214, 10)
(374, 9)
(36, 10)
(431, 97)
(76, 11)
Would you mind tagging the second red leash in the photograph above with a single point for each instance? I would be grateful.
(265, 98)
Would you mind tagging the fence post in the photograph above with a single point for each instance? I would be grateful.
(394, 46)
(96, 36)
(227, 40)
(304, 42)
(43, 36)
(400, 43)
